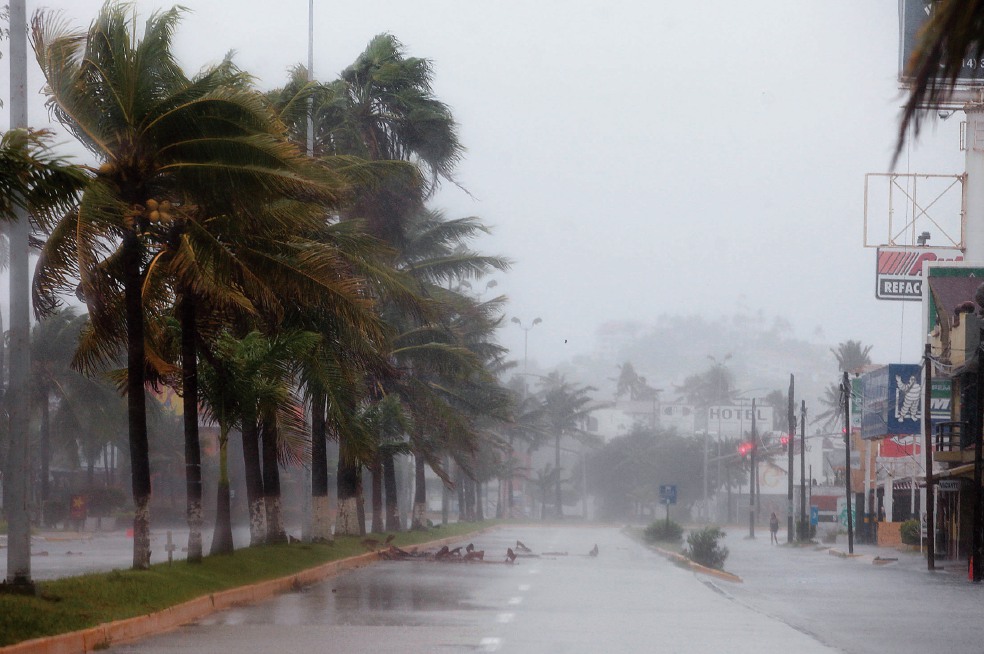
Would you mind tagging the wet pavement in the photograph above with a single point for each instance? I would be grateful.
(627, 599)
(855, 604)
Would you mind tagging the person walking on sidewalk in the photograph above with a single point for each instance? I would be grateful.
(774, 528)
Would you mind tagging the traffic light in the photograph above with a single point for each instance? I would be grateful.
(784, 439)
(745, 448)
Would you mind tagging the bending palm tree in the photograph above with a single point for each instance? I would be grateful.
(173, 148)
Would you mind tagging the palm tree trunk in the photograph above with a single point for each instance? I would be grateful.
(320, 507)
(558, 501)
(136, 407)
(271, 482)
(376, 492)
(445, 494)
(511, 472)
(479, 501)
(222, 538)
(389, 483)
(192, 449)
(45, 429)
(254, 479)
(360, 505)
(418, 519)
(347, 484)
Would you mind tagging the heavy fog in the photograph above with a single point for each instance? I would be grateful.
(637, 160)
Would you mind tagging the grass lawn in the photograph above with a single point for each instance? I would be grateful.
(74, 603)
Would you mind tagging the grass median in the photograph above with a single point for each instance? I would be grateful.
(74, 603)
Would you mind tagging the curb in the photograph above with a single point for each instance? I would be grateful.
(845, 555)
(696, 567)
(131, 629)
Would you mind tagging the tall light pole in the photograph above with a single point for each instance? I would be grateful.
(526, 338)
(16, 497)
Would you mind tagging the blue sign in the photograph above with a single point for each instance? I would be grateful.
(905, 398)
(893, 401)
(814, 515)
(667, 494)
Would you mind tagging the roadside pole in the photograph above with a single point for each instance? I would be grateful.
(16, 496)
(928, 448)
(790, 442)
(847, 461)
(806, 530)
(976, 557)
(751, 478)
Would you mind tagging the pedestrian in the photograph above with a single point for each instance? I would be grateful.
(774, 528)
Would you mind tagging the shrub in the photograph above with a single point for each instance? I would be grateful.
(702, 547)
(910, 532)
(805, 531)
(663, 531)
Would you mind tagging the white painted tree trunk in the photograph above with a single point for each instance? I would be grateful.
(195, 523)
(257, 522)
(347, 521)
(275, 520)
(419, 517)
(141, 533)
(321, 520)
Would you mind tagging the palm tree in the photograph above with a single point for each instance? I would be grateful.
(383, 109)
(32, 177)
(565, 409)
(53, 343)
(833, 407)
(851, 356)
(173, 148)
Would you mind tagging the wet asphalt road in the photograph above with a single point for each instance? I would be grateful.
(627, 599)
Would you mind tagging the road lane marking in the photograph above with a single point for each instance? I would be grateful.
(524, 587)
(490, 644)
(505, 618)
(513, 601)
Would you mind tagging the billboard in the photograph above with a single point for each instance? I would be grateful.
(898, 270)
(914, 13)
(736, 421)
(893, 399)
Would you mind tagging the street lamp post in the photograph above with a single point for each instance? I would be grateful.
(526, 338)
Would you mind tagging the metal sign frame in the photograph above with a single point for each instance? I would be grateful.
(905, 232)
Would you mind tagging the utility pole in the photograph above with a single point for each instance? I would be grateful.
(847, 461)
(751, 479)
(928, 448)
(790, 442)
(806, 530)
(16, 497)
(976, 555)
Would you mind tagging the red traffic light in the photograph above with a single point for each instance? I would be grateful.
(784, 439)
(745, 448)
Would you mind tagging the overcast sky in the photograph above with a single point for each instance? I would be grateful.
(636, 157)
